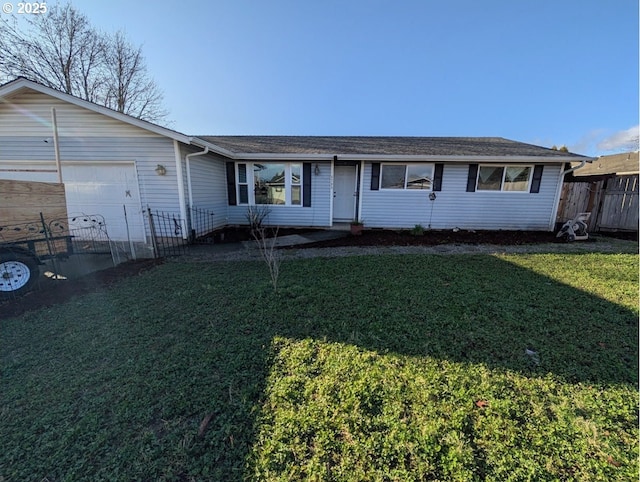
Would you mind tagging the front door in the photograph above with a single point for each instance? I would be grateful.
(344, 193)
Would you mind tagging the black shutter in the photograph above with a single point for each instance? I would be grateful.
(537, 177)
(375, 176)
(437, 177)
(471, 180)
(306, 184)
(231, 183)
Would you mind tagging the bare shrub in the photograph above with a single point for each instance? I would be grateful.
(266, 244)
(256, 216)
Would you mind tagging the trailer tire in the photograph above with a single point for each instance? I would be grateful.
(18, 273)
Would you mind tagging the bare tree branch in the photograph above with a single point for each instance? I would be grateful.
(63, 51)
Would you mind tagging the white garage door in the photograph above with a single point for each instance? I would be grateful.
(106, 189)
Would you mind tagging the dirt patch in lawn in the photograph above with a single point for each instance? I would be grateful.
(51, 292)
(375, 237)
(380, 237)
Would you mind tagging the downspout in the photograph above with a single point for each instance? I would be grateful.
(181, 200)
(189, 189)
(56, 145)
(360, 191)
(187, 158)
(554, 214)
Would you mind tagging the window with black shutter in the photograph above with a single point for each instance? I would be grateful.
(231, 183)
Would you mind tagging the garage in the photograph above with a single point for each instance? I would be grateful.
(105, 188)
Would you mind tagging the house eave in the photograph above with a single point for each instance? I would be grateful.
(249, 156)
(196, 141)
(459, 158)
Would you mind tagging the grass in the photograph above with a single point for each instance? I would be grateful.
(364, 368)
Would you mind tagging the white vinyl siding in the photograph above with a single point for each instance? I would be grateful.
(29, 114)
(160, 192)
(454, 207)
(208, 190)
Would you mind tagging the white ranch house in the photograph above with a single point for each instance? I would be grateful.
(111, 162)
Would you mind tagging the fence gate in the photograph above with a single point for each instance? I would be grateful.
(167, 233)
(171, 235)
(579, 197)
(619, 209)
(613, 203)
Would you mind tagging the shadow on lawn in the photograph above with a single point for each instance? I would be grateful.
(469, 309)
(196, 344)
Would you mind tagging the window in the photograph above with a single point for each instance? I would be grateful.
(406, 176)
(269, 183)
(516, 178)
(273, 183)
(504, 178)
(296, 186)
(243, 185)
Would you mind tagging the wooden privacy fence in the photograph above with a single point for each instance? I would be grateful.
(21, 201)
(613, 203)
(24, 207)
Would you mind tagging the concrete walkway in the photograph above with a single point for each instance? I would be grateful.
(281, 242)
(296, 239)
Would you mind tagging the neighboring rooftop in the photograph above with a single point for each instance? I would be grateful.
(425, 146)
(624, 163)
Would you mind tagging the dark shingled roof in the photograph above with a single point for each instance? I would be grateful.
(425, 146)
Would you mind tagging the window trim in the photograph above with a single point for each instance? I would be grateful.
(406, 170)
(288, 183)
(504, 174)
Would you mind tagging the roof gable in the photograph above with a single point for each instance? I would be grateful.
(21, 85)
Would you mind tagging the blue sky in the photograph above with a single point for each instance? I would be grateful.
(540, 71)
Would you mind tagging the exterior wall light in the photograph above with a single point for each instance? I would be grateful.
(316, 170)
(160, 170)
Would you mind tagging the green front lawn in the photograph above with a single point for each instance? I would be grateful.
(519, 367)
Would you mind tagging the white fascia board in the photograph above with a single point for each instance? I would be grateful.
(249, 156)
(403, 158)
(543, 160)
(458, 159)
(17, 85)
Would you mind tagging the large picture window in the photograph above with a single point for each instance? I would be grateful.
(406, 176)
(504, 178)
(272, 183)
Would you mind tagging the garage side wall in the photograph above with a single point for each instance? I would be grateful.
(95, 150)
